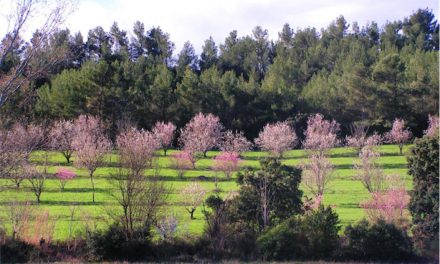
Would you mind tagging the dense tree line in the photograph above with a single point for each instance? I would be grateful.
(349, 73)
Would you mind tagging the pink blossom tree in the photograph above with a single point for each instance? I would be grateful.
(321, 134)
(136, 149)
(359, 138)
(61, 137)
(164, 132)
(234, 142)
(398, 134)
(276, 138)
(64, 175)
(91, 146)
(201, 134)
(226, 162)
(182, 161)
(433, 126)
(388, 205)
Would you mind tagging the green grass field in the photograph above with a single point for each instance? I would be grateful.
(344, 192)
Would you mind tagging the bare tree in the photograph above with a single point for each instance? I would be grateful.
(36, 180)
(16, 145)
(193, 195)
(36, 58)
(368, 172)
(140, 200)
(317, 173)
(19, 215)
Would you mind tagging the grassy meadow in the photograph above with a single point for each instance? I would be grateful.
(344, 192)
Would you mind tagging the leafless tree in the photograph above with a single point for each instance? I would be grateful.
(193, 196)
(16, 145)
(139, 198)
(36, 58)
(368, 172)
(317, 173)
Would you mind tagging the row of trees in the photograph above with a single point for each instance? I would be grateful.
(268, 212)
(371, 74)
(87, 138)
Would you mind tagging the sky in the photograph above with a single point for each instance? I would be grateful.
(196, 20)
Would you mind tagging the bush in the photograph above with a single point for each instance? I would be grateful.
(113, 245)
(312, 236)
(380, 241)
(423, 164)
(17, 251)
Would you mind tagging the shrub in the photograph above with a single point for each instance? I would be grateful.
(312, 236)
(380, 241)
(423, 164)
(17, 251)
(113, 245)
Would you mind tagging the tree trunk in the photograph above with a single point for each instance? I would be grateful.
(192, 213)
(400, 148)
(165, 152)
(93, 187)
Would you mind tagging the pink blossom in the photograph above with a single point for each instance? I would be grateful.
(164, 132)
(227, 162)
(388, 205)
(433, 127)
(64, 175)
(91, 145)
(321, 134)
(182, 161)
(398, 134)
(201, 134)
(136, 149)
(276, 138)
(234, 142)
(61, 137)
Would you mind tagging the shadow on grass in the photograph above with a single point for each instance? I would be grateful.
(349, 205)
(53, 203)
(382, 166)
(192, 178)
(76, 190)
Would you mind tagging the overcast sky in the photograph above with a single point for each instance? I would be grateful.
(196, 20)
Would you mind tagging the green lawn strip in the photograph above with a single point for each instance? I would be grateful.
(344, 192)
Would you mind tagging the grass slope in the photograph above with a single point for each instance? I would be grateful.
(344, 192)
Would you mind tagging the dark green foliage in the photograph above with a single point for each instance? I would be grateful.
(371, 74)
(423, 164)
(312, 236)
(112, 244)
(376, 242)
(16, 251)
(225, 236)
(281, 185)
